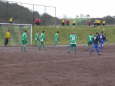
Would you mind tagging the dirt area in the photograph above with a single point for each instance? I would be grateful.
(53, 66)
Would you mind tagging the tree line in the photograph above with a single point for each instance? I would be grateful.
(22, 14)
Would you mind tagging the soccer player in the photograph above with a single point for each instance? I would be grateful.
(37, 21)
(11, 20)
(67, 22)
(73, 42)
(103, 23)
(42, 39)
(95, 45)
(24, 41)
(89, 23)
(56, 38)
(63, 22)
(37, 39)
(102, 39)
(90, 40)
(7, 37)
(74, 23)
(36, 36)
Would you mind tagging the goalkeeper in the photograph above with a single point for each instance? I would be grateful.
(7, 38)
(24, 41)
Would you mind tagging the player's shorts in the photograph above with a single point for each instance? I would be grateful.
(73, 24)
(63, 23)
(89, 43)
(24, 42)
(73, 45)
(95, 46)
(101, 41)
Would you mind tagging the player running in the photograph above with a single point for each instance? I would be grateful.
(24, 41)
(56, 38)
(72, 42)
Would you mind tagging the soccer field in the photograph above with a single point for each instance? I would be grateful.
(64, 31)
(55, 67)
(81, 31)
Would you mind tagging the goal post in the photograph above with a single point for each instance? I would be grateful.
(15, 30)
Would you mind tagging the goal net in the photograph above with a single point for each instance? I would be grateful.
(16, 31)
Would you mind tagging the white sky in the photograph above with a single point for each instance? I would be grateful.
(73, 8)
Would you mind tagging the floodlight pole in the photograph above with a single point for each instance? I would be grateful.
(45, 9)
(55, 16)
(7, 11)
(33, 15)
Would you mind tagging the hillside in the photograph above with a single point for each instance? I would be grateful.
(22, 14)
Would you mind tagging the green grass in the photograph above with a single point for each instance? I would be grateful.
(15, 34)
(82, 32)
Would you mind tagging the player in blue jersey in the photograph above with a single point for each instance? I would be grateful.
(102, 39)
(95, 45)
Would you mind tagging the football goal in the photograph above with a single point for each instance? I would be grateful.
(16, 31)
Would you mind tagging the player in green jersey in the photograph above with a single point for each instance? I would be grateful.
(56, 38)
(42, 39)
(73, 42)
(90, 39)
(37, 39)
(24, 41)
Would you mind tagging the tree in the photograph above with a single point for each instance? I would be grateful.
(109, 19)
(22, 14)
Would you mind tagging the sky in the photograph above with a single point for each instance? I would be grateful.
(74, 8)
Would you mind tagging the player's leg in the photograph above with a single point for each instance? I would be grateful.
(38, 44)
(44, 45)
(101, 45)
(89, 45)
(22, 50)
(72, 48)
(35, 42)
(6, 42)
(75, 48)
(62, 23)
(91, 48)
(41, 44)
(69, 48)
(97, 49)
(23, 47)
(55, 43)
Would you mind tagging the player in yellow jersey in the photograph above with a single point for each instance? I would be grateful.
(7, 37)
(63, 22)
